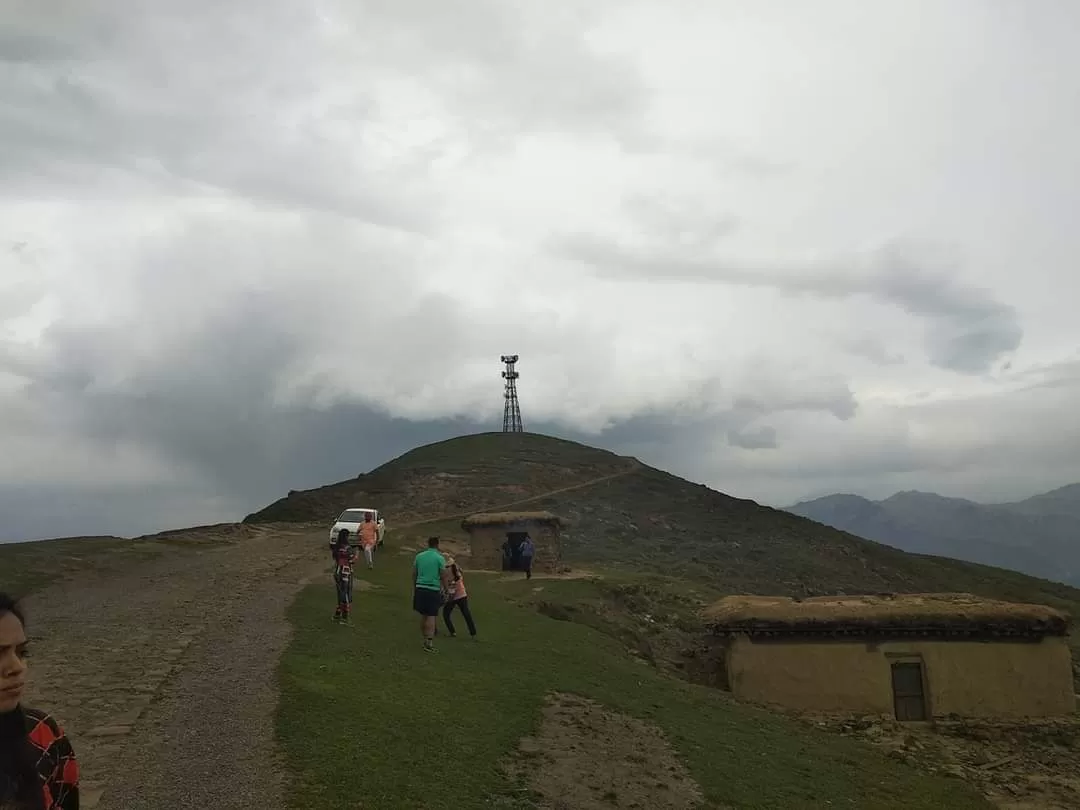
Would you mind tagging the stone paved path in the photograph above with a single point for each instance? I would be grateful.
(152, 669)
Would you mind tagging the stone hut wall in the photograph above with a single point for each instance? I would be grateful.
(485, 545)
(970, 678)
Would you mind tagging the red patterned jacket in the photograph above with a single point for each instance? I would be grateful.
(56, 764)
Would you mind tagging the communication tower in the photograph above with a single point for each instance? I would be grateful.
(511, 408)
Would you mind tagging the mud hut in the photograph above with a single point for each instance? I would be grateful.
(495, 540)
(912, 657)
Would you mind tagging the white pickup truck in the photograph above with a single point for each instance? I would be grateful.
(351, 519)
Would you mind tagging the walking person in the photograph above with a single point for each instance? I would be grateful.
(528, 550)
(369, 536)
(457, 597)
(429, 579)
(38, 768)
(344, 558)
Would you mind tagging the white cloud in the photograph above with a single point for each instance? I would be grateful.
(228, 229)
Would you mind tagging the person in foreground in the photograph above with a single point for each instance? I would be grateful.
(38, 769)
(344, 558)
(429, 575)
(457, 597)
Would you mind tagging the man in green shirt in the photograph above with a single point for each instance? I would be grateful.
(429, 573)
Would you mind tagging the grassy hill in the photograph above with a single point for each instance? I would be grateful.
(660, 548)
(630, 738)
(624, 514)
(454, 476)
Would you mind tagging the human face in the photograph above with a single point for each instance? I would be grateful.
(12, 661)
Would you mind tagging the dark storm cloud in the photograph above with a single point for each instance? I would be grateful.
(200, 389)
(203, 396)
(762, 437)
(207, 402)
(190, 189)
(968, 330)
(239, 465)
(36, 512)
(207, 409)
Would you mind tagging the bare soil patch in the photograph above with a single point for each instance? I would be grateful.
(1018, 765)
(585, 756)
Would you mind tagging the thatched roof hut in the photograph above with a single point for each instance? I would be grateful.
(941, 614)
(495, 540)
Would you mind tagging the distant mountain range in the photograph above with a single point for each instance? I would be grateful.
(1038, 536)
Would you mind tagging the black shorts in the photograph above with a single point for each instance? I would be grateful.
(426, 602)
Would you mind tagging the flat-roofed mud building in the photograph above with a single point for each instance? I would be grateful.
(495, 540)
(913, 657)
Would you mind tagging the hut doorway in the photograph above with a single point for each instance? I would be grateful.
(909, 697)
(512, 551)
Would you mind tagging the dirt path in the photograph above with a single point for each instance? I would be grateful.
(633, 467)
(153, 668)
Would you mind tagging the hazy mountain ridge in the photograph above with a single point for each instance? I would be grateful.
(1039, 535)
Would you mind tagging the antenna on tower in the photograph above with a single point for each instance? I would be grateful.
(511, 408)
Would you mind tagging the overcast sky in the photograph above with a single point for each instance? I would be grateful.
(782, 248)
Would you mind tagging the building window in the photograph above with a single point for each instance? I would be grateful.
(909, 697)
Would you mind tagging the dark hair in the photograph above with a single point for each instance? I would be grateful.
(343, 538)
(17, 757)
(433, 542)
(8, 604)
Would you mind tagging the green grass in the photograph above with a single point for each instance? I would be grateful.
(368, 719)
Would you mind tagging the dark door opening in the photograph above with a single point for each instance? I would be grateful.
(909, 698)
(512, 551)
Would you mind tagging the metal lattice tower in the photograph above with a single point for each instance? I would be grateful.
(511, 408)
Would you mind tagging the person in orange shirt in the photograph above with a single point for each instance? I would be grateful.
(369, 536)
(456, 597)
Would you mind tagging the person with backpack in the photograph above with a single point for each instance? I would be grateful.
(528, 551)
(456, 597)
(344, 557)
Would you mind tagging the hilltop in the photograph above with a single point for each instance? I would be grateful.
(624, 514)
(654, 548)
(454, 476)
(1036, 536)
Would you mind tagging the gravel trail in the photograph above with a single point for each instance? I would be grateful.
(164, 673)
